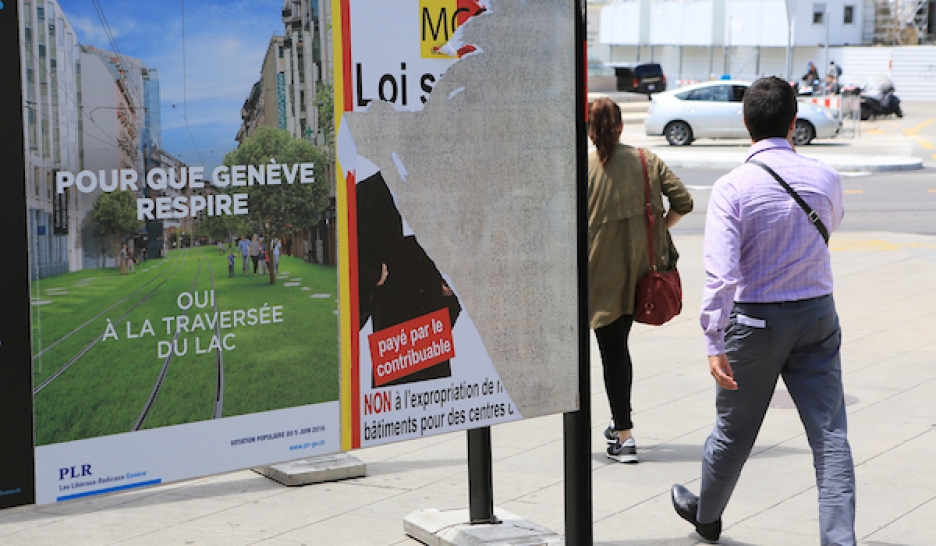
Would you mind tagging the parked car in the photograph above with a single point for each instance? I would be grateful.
(646, 78)
(714, 110)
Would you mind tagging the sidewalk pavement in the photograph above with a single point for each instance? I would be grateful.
(886, 296)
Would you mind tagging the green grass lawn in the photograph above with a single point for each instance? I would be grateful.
(269, 366)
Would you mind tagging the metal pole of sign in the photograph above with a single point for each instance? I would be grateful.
(825, 19)
(480, 477)
(577, 424)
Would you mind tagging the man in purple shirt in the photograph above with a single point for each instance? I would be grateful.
(767, 312)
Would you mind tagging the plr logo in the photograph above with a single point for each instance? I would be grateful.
(72, 472)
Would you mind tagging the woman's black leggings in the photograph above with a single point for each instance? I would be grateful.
(255, 260)
(618, 370)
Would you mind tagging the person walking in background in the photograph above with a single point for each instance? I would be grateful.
(255, 252)
(230, 262)
(618, 254)
(767, 312)
(264, 257)
(243, 246)
(832, 86)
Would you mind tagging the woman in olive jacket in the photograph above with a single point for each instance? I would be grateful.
(618, 255)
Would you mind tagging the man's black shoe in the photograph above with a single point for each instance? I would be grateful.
(686, 505)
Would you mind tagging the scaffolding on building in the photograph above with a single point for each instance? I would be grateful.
(902, 22)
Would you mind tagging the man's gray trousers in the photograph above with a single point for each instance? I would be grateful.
(798, 341)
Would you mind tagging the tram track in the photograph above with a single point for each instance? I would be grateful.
(63, 368)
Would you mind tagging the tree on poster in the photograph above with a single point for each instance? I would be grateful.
(275, 211)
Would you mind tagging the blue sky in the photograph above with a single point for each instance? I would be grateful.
(225, 42)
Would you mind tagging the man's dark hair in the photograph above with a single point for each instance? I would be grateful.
(769, 108)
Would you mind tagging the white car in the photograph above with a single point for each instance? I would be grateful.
(714, 110)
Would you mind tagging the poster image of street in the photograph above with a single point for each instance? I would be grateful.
(456, 160)
(184, 287)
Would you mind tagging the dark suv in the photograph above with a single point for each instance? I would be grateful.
(647, 78)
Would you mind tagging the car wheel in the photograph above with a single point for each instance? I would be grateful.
(865, 112)
(678, 133)
(803, 133)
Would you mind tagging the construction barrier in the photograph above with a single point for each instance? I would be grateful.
(846, 108)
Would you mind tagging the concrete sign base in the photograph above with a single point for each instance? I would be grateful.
(326, 468)
(450, 527)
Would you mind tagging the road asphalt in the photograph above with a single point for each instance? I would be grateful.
(886, 297)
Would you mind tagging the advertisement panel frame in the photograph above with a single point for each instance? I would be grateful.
(17, 471)
(359, 88)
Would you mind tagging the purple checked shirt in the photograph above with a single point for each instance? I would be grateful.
(759, 245)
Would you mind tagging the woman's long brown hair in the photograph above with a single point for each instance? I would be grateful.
(604, 127)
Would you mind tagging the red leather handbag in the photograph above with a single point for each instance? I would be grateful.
(659, 293)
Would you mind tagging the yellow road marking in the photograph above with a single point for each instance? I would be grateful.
(874, 131)
(852, 192)
(913, 131)
(865, 245)
(931, 191)
(927, 145)
(875, 245)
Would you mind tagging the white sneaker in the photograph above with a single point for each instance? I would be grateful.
(623, 452)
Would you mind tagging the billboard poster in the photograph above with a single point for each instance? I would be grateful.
(455, 135)
(215, 278)
(182, 322)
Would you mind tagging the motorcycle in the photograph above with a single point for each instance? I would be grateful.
(882, 103)
(807, 88)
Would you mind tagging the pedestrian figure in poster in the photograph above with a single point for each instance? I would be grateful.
(231, 263)
(255, 252)
(122, 259)
(276, 254)
(264, 259)
(618, 254)
(243, 246)
(131, 259)
(768, 313)
(220, 248)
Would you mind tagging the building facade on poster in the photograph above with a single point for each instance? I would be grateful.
(50, 59)
(295, 69)
(85, 108)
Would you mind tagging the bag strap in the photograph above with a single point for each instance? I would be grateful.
(648, 208)
(812, 215)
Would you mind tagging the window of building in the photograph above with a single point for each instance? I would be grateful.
(849, 15)
(818, 13)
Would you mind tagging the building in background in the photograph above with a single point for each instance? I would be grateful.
(50, 58)
(705, 39)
